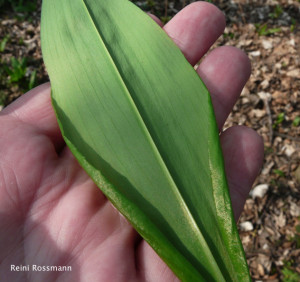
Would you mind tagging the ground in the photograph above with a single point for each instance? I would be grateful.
(268, 31)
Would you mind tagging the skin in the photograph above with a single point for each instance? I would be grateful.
(41, 183)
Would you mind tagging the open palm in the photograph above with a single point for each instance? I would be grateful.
(52, 214)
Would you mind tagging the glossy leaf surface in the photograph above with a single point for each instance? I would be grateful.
(141, 123)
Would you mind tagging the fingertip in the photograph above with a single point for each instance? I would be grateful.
(225, 72)
(156, 19)
(244, 141)
(243, 151)
(228, 58)
(195, 28)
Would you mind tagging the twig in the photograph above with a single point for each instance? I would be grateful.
(242, 13)
(166, 9)
(266, 102)
(287, 136)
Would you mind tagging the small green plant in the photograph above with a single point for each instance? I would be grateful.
(284, 64)
(2, 98)
(279, 172)
(268, 150)
(296, 239)
(296, 121)
(150, 3)
(3, 43)
(293, 25)
(145, 5)
(277, 12)
(165, 19)
(17, 70)
(228, 35)
(280, 118)
(262, 29)
(289, 275)
(32, 80)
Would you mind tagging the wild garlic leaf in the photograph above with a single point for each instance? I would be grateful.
(140, 122)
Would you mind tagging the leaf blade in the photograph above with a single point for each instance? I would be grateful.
(147, 132)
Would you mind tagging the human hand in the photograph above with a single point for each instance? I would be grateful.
(52, 214)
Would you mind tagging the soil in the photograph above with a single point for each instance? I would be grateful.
(268, 31)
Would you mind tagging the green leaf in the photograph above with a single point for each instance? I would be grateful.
(17, 70)
(140, 121)
(3, 43)
(279, 120)
(32, 80)
(296, 121)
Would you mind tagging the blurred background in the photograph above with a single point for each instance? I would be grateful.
(268, 31)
